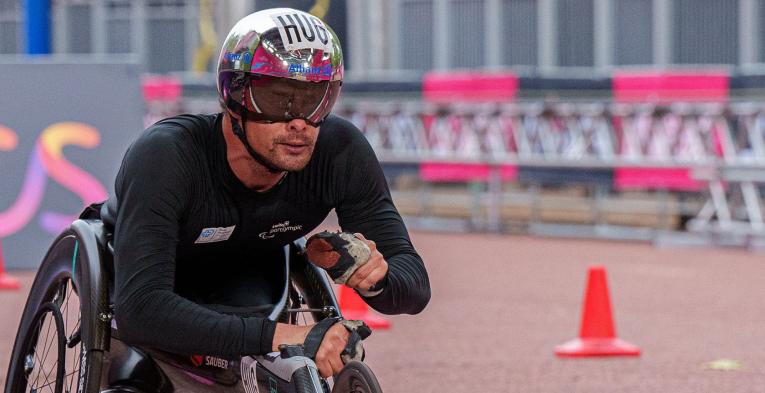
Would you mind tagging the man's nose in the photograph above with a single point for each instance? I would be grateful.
(297, 125)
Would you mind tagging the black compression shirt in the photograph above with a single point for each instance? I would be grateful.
(188, 233)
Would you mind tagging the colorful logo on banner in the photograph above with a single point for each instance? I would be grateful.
(47, 161)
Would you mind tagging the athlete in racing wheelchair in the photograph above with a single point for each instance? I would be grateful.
(194, 277)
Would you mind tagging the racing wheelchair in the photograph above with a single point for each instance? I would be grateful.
(67, 340)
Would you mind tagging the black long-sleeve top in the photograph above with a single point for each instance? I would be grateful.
(184, 225)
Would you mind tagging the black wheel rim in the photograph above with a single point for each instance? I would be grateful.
(50, 361)
(359, 386)
(356, 377)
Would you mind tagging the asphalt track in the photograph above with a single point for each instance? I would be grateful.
(502, 303)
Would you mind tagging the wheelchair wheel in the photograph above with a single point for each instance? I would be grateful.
(44, 367)
(48, 354)
(356, 377)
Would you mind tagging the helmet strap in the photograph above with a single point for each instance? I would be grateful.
(239, 131)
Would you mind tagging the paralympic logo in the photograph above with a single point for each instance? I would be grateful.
(47, 161)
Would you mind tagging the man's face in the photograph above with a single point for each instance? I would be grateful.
(287, 146)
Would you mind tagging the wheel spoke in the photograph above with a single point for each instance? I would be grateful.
(76, 329)
(45, 349)
(43, 367)
(48, 384)
(65, 311)
(71, 334)
(48, 344)
(74, 374)
(68, 298)
(47, 336)
(41, 371)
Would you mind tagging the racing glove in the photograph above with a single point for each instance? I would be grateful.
(353, 350)
(339, 253)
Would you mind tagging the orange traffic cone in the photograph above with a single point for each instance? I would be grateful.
(353, 307)
(6, 281)
(597, 336)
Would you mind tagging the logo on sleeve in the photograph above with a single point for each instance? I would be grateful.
(197, 360)
(211, 235)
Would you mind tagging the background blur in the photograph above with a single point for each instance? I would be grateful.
(624, 119)
(636, 120)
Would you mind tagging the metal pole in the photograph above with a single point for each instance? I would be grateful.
(495, 199)
(357, 35)
(441, 45)
(98, 28)
(394, 34)
(191, 15)
(604, 33)
(749, 22)
(60, 28)
(138, 26)
(374, 36)
(662, 32)
(547, 35)
(494, 48)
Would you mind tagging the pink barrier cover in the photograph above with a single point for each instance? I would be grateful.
(463, 172)
(469, 86)
(161, 88)
(674, 179)
(668, 86)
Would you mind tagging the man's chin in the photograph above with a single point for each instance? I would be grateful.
(292, 165)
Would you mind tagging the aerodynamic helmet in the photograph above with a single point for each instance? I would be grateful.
(280, 64)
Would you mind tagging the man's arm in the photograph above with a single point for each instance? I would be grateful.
(152, 189)
(367, 208)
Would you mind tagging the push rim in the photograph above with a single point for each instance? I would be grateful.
(52, 355)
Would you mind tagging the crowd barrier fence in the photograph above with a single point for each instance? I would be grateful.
(702, 164)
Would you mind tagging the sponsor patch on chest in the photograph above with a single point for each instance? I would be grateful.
(211, 235)
(282, 227)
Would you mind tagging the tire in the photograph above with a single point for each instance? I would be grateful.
(55, 293)
(356, 377)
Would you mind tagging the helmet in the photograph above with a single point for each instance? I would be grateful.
(280, 64)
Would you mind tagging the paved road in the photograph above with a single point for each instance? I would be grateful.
(500, 304)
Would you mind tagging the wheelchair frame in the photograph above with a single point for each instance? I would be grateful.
(83, 252)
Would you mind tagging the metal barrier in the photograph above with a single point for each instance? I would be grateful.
(714, 153)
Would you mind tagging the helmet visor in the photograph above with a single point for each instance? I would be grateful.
(272, 99)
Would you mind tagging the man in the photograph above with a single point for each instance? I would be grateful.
(204, 204)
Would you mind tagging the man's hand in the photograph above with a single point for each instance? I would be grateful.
(349, 259)
(371, 273)
(327, 358)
